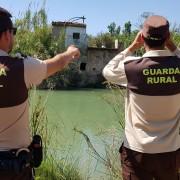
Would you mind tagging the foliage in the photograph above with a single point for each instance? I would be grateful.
(113, 30)
(127, 28)
(105, 40)
(109, 159)
(38, 118)
(52, 167)
(111, 144)
(176, 36)
(91, 41)
(34, 38)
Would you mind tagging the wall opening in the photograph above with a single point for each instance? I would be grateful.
(76, 35)
(83, 66)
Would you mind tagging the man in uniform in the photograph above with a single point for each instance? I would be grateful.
(151, 144)
(16, 77)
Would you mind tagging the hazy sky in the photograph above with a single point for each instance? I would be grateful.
(99, 13)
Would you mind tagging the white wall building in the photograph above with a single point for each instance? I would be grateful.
(75, 33)
(87, 70)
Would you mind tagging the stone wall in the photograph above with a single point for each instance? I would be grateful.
(87, 71)
(91, 66)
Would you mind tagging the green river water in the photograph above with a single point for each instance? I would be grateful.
(87, 111)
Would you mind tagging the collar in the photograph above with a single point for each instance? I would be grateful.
(157, 53)
(3, 53)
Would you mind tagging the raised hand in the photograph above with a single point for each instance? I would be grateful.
(73, 52)
(137, 43)
(170, 44)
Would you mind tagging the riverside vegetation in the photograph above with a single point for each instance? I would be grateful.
(34, 38)
(67, 166)
(52, 168)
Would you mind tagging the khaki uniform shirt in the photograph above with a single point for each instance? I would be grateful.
(17, 134)
(152, 122)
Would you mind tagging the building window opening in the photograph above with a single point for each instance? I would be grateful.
(94, 69)
(83, 66)
(76, 35)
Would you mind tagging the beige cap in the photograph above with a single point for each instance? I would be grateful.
(156, 28)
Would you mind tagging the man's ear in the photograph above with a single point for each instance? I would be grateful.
(168, 37)
(6, 35)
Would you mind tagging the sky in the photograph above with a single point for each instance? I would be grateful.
(98, 13)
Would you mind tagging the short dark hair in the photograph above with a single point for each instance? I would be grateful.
(4, 12)
(155, 31)
(156, 27)
(5, 20)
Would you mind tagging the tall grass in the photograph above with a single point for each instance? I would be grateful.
(55, 167)
(34, 38)
(38, 118)
(52, 168)
(109, 161)
(111, 138)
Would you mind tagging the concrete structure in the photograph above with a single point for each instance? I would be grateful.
(97, 58)
(75, 33)
(87, 71)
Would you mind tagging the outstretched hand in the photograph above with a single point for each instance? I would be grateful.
(137, 43)
(73, 52)
(61, 60)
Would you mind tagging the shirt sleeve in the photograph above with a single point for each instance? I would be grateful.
(114, 71)
(35, 71)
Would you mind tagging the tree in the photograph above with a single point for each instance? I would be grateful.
(118, 30)
(113, 30)
(112, 27)
(104, 40)
(127, 28)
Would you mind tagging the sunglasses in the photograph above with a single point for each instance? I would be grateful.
(13, 30)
